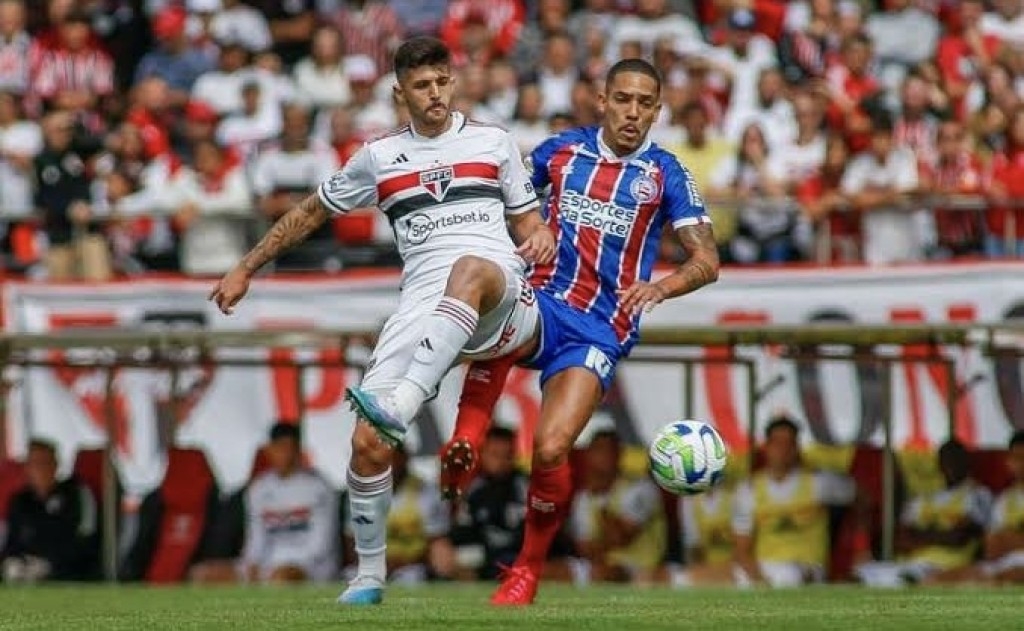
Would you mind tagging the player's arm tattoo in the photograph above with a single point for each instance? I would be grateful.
(290, 229)
(701, 265)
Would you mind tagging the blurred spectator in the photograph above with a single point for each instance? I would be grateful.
(801, 156)
(292, 524)
(291, 26)
(51, 525)
(283, 176)
(825, 204)
(940, 532)
(556, 74)
(781, 519)
(708, 539)
(320, 78)
(702, 151)
(742, 60)
(152, 112)
(503, 91)
(374, 116)
(651, 22)
(767, 227)
(879, 183)
(896, 52)
(199, 123)
(480, 30)
(771, 110)
(529, 125)
(810, 46)
(15, 45)
(20, 142)
(489, 523)
(419, 17)
(238, 22)
(956, 171)
(174, 61)
(472, 94)
(918, 121)
(1004, 233)
(964, 55)
(221, 88)
(77, 247)
(618, 524)
(212, 210)
(593, 23)
(552, 19)
(1005, 21)
(418, 527)
(257, 122)
(73, 73)
(850, 85)
(370, 28)
(1004, 541)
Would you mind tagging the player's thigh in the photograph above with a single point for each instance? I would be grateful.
(568, 400)
(512, 326)
(471, 274)
(395, 347)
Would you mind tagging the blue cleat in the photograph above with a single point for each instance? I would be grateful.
(363, 590)
(368, 406)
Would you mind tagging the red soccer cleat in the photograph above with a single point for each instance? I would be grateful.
(458, 467)
(518, 587)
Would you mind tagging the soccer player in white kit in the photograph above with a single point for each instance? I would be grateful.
(453, 189)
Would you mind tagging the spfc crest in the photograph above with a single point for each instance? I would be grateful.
(437, 181)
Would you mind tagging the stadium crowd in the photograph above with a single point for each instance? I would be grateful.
(798, 518)
(163, 135)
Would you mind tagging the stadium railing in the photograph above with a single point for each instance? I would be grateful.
(177, 350)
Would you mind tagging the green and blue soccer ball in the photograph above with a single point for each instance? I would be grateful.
(687, 457)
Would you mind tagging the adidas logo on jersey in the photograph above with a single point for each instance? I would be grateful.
(425, 343)
(400, 159)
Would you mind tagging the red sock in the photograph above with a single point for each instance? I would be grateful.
(480, 393)
(547, 504)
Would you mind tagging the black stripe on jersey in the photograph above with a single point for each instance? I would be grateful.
(524, 204)
(425, 200)
(327, 201)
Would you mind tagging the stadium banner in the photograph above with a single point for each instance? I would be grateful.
(227, 410)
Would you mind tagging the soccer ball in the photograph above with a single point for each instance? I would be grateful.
(687, 457)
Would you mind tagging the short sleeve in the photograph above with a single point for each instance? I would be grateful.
(681, 200)
(743, 510)
(516, 186)
(354, 186)
(639, 502)
(835, 489)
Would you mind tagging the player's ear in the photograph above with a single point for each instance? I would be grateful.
(602, 102)
(396, 91)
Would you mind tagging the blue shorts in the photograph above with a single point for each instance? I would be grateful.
(570, 339)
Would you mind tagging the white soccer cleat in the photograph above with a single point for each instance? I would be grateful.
(363, 590)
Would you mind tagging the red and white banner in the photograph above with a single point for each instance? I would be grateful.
(227, 410)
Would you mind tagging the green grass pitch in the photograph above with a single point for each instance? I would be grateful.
(464, 608)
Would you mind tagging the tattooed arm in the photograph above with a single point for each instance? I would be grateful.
(700, 268)
(292, 228)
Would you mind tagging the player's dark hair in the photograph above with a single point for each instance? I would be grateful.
(633, 65)
(497, 432)
(1016, 439)
(783, 421)
(421, 51)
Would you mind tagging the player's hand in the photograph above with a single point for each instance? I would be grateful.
(539, 247)
(230, 289)
(641, 297)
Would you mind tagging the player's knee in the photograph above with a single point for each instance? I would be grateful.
(551, 448)
(370, 456)
(468, 273)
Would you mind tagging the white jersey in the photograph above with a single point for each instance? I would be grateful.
(446, 196)
(292, 521)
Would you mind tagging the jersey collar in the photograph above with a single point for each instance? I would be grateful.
(608, 154)
(458, 122)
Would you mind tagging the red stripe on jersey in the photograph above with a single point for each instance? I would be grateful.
(542, 274)
(631, 252)
(586, 285)
(483, 170)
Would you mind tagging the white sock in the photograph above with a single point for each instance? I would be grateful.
(446, 332)
(369, 500)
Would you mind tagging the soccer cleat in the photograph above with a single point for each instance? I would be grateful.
(372, 410)
(518, 587)
(363, 590)
(458, 466)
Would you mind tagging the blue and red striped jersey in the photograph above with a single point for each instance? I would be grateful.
(608, 213)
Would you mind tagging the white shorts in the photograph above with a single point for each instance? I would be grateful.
(505, 328)
(782, 574)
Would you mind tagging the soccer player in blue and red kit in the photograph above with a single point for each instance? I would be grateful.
(611, 192)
